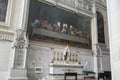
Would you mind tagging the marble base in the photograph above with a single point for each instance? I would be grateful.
(62, 68)
(18, 74)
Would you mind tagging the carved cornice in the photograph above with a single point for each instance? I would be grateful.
(4, 27)
(101, 4)
(6, 35)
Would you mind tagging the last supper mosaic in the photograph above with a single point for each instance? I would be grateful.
(52, 24)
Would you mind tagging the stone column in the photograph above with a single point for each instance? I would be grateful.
(18, 57)
(19, 48)
(114, 36)
(19, 14)
(94, 38)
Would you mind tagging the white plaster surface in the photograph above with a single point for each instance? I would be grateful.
(114, 33)
(4, 59)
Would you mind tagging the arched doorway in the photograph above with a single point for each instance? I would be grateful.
(100, 28)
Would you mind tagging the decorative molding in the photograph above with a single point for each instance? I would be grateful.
(19, 53)
(101, 51)
(84, 7)
(20, 45)
(101, 5)
(101, 2)
(3, 27)
(6, 35)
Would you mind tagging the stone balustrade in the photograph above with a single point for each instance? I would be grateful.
(70, 2)
(75, 5)
(84, 5)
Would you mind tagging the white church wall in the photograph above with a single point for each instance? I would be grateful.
(114, 33)
(4, 59)
(40, 55)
